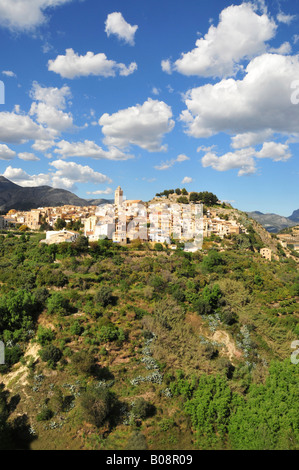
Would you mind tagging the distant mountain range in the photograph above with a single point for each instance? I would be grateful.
(273, 223)
(13, 196)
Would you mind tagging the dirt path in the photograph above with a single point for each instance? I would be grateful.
(220, 336)
(223, 337)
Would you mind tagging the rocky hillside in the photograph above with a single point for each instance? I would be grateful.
(273, 223)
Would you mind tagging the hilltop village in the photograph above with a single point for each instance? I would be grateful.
(164, 219)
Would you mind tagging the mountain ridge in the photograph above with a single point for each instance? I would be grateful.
(14, 196)
(273, 223)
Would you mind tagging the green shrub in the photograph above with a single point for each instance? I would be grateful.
(58, 304)
(96, 403)
(44, 335)
(51, 354)
(45, 415)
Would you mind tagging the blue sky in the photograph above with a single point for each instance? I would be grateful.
(153, 95)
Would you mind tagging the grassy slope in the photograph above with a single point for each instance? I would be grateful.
(142, 280)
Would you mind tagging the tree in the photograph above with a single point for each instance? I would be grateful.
(51, 354)
(104, 296)
(268, 418)
(209, 409)
(209, 300)
(60, 224)
(58, 304)
(96, 403)
(84, 362)
(142, 408)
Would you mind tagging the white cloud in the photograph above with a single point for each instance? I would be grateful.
(54, 118)
(50, 105)
(166, 66)
(73, 65)
(155, 91)
(28, 157)
(240, 34)
(286, 19)
(43, 145)
(116, 24)
(143, 125)
(182, 158)
(51, 96)
(25, 15)
(101, 191)
(18, 128)
(187, 180)
(66, 175)
(124, 71)
(19, 176)
(284, 49)
(241, 159)
(260, 102)
(244, 159)
(204, 148)
(275, 150)
(6, 153)
(250, 138)
(89, 148)
(9, 73)
(168, 164)
(72, 173)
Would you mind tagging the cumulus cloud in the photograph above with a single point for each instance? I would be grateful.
(286, 19)
(6, 153)
(28, 156)
(275, 151)
(284, 49)
(187, 180)
(168, 164)
(18, 128)
(89, 148)
(155, 91)
(65, 175)
(101, 191)
(241, 34)
(49, 105)
(250, 138)
(166, 66)
(241, 159)
(142, 125)
(43, 145)
(51, 96)
(19, 176)
(260, 102)
(73, 65)
(26, 15)
(245, 159)
(9, 73)
(117, 25)
(72, 173)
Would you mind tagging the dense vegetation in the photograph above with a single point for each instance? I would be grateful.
(205, 197)
(137, 347)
